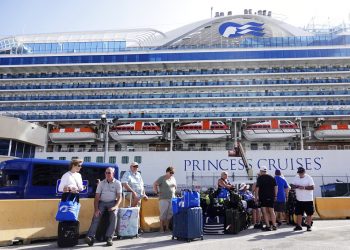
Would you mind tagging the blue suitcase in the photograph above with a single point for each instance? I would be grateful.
(188, 224)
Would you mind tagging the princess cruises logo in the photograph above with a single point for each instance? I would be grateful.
(232, 30)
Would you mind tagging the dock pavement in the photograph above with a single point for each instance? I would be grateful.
(325, 234)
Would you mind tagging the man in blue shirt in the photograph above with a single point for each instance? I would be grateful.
(282, 196)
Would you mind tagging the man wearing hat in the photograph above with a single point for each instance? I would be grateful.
(250, 199)
(132, 182)
(266, 189)
(282, 196)
(304, 186)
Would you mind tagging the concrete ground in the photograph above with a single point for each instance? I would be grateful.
(326, 234)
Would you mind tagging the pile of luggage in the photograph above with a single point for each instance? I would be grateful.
(223, 212)
(187, 217)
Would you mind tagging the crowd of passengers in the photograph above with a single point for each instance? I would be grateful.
(267, 199)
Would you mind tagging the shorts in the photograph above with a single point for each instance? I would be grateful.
(267, 202)
(166, 209)
(280, 207)
(302, 207)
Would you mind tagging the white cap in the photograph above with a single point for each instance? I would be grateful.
(134, 164)
(263, 169)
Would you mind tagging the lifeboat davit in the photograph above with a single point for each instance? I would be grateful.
(271, 130)
(85, 134)
(136, 131)
(203, 130)
(333, 132)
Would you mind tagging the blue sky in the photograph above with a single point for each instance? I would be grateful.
(49, 16)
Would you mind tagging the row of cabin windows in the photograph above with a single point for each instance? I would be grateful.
(99, 159)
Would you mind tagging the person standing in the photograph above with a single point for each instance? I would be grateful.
(108, 197)
(304, 186)
(71, 181)
(282, 196)
(266, 188)
(165, 187)
(133, 182)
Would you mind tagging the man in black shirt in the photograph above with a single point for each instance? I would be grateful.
(266, 188)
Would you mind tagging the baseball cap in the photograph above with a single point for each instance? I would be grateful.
(263, 169)
(301, 170)
(134, 164)
(278, 172)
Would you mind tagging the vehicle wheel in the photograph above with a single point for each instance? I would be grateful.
(202, 238)
(172, 237)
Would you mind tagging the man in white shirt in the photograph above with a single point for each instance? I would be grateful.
(304, 186)
(132, 182)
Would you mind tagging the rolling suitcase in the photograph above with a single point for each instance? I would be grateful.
(128, 221)
(68, 233)
(214, 225)
(233, 221)
(188, 224)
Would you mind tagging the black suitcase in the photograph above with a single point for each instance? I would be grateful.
(233, 221)
(68, 233)
(102, 227)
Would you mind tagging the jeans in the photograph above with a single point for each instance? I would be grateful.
(102, 206)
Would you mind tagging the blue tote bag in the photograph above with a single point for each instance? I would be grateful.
(68, 210)
(191, 199)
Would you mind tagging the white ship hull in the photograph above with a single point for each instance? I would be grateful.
(196, 135)
(72, 137)
(270, 134)
(332, 134)
(325, 166)
(137, 136)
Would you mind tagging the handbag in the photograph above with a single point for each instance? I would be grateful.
(68, 210)
(191, 199)
(223, 193)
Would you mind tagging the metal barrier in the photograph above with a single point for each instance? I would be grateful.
(333, 208)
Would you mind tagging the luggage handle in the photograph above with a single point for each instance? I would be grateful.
(124, 197)
(217, 219)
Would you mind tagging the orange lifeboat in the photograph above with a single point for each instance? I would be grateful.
(203, 130)
(84, 134)
(271, 130)
(136, 131)
(333, 132)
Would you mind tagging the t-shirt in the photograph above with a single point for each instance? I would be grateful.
(109, 190)
(302, 194)
(282, 185)
(266, 184)
(167, 187)
(134, 180)
(72, 180)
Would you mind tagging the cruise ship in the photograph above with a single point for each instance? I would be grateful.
(188, 97)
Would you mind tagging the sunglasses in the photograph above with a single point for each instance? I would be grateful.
(108, 172)
(171, 172)
(135, 166)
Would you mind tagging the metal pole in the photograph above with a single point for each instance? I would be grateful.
(235, 133)
(106, 131)
(171, 136)
(301, 136)
(347, 184)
